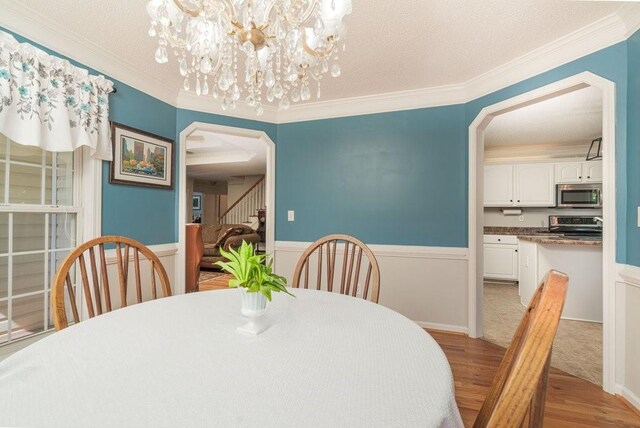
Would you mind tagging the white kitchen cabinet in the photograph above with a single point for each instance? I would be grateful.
(534, 185)
(519, 185)
(501, 257)
(498, 185)
(569, 172)
(592, 172)
(578, 172)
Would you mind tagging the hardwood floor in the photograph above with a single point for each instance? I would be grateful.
(571, 401)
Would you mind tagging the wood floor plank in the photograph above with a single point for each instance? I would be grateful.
(571, 401)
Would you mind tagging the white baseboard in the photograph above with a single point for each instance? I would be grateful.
(443, 327)
(629, 396)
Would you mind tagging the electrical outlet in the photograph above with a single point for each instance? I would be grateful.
(291, 215)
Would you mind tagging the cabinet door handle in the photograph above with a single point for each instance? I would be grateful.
(580, 177)
(510, 200)
(518, 200)
(498, 239)
(516, 251)
(588, 176)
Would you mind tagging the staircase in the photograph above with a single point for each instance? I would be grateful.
(245, 209)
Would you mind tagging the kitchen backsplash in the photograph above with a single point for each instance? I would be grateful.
(530, 217)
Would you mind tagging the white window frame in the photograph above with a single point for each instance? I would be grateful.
(87, 198)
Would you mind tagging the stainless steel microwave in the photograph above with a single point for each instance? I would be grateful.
(579, 195)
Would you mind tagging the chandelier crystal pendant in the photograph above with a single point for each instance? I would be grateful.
(286, 44)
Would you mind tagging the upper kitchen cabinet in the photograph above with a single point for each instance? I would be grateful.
(498, 185)
(592, 172)
(535, 186)
(579, 172)
(519, 185)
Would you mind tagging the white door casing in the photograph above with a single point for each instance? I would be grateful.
(476, 204)
(270, 188)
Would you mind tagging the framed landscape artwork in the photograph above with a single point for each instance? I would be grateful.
(197, 202)
(141, 158)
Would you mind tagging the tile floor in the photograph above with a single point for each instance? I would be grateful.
(578, 345)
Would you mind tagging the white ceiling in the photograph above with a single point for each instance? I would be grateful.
(213, 157)
(392, 45)
(571, 118)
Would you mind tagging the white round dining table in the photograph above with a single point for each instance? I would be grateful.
(326, 360)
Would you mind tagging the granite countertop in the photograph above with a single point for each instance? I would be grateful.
(540, 235)
(560, 240)
(490, 230)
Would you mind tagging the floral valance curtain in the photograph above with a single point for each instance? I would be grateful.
(47, 102)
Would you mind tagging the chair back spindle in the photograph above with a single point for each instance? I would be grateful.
(355, 256)
(95, 280)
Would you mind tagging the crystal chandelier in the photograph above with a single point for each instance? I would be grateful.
(286, 44)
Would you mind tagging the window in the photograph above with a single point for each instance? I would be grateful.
(39, 212)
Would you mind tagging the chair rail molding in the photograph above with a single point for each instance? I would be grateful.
(629, 274)
(591, 38)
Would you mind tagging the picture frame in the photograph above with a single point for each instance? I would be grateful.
(197, 202)
(141, 158)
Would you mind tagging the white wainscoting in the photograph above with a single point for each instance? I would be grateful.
(628, 334)
(426, 284)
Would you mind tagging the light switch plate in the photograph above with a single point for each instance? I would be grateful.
(291, 215)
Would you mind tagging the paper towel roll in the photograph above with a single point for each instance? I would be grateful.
(511, 211)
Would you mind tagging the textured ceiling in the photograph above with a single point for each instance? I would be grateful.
(221, 156)
(566, 119)
(392, 45)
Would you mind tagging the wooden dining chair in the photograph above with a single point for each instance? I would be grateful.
(95, 280)
(348, 270)
(517, 395)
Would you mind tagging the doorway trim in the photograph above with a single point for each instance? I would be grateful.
(270, 187)
(476, 205)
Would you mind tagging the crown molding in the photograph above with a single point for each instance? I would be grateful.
(208, 104)
(42, 30)
(601, 34)
(379, 103)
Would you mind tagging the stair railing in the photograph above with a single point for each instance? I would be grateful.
(247, 205)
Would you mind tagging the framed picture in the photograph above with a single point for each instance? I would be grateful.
(141, 158)
(197, 202)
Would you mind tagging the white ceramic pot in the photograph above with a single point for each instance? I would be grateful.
(254, 305)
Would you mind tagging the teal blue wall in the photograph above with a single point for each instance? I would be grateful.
(390, 178)
(632, 179)
(137, 212)
(140, 212)
(610, 63)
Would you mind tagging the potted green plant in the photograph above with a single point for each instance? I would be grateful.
(254, 276)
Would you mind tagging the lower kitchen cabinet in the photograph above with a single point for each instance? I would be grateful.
(501, 257)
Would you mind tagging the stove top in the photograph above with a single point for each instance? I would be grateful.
(579, 226)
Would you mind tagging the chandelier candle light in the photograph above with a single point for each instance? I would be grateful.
(285, 43)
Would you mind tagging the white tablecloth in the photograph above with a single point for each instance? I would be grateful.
(326, 360)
